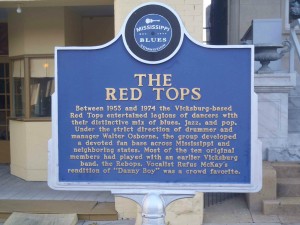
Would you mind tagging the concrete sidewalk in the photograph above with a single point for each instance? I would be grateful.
(119, 222)
(230, 212)
(235, 212)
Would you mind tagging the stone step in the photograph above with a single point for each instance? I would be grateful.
(42, 219)
(288, 187)
(285, 170)
(85, 210)
(282, 206)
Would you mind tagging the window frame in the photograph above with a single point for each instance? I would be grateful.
(27, 77)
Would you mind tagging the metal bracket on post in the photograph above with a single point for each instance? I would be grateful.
(154, 205)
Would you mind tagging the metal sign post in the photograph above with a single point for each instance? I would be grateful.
(154, 205)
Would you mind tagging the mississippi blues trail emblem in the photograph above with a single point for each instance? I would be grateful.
(153, 34)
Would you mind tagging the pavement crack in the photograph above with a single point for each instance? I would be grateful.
(97, 203)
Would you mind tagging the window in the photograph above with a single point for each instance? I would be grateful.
(33, 85)
(291, 12)
(18, 88)
(41, 86)
(4, 101)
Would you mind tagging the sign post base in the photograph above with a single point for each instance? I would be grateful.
(153, 205)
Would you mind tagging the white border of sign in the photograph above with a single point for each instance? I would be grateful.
(164, 188)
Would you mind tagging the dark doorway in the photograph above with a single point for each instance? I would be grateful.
(3, 39)
(218, 22)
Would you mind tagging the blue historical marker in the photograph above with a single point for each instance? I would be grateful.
(154, 109)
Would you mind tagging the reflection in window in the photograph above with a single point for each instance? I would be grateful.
(2, 118)
(41, 86)
(2, 70)
(18, 88)
(2, 102)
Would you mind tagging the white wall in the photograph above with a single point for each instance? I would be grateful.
(97, 30)
(36, 31)
(190, 12)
